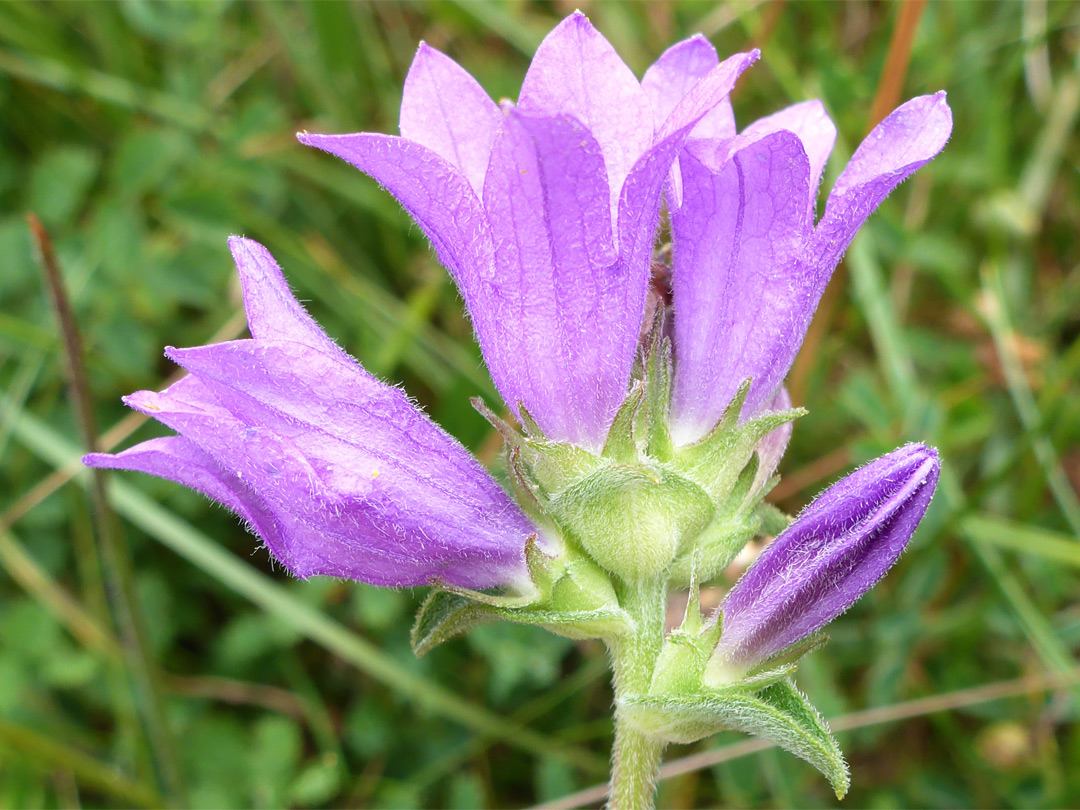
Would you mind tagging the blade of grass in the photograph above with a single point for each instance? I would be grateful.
(278, 601)
(1022, 538)
(995, 311)
(118, 570)
(35, 581)
(84, 767)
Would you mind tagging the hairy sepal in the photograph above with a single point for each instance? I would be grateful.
(724, 465)
(718, 461)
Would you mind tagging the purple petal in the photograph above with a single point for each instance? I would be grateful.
(446, 110)
(273, 313)
(176, 459)
(704, 97)
(905, 141)
(558, 321)
(736, 239)
(365, 445)
(338, 473)
(576, 72)
(433, 191)
(707, 96)
(674, 75)
(810, 122)
(834, 552)
(639, 209)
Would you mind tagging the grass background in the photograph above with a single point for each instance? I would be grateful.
(142, 134)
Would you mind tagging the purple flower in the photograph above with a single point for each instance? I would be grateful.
(545, 212)
(749, 264)
(337, 472)
(834, 552)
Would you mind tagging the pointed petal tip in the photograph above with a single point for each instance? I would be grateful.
(246, 251)
(96, 459)
(144, 401)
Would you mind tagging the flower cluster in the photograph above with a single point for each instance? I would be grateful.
(651, 392)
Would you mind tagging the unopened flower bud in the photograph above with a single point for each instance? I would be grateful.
(834, 552)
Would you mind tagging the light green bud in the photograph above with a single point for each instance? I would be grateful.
(633, 520)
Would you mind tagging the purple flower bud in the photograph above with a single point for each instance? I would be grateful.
(337, 472)
(834, 552)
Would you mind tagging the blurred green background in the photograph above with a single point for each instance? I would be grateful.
(142, 134)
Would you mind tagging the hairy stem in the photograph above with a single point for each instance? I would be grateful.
(636, 757)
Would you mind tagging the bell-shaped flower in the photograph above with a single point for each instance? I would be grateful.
(749, 264)
(544, 212)
(833, 553)
(337, 472)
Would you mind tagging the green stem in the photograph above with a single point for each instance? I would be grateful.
(636, 757)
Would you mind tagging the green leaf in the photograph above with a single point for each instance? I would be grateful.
(443, 616)
(780, 714)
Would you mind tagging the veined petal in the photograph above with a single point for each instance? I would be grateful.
(905, 141)
(433, 191)
(674, 75)
(556, 299)
(445, 109)
(736, 239)
(273, 313)
(352, 429)
(713, 89)
(177, 459)
(577, 72)
(834, 552)
(909, 138)
(707, 95)
(639, 205)
(810, 122)
(365, 530)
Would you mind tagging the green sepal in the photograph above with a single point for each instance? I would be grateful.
(532, 428)
(717, 460)
(795, 653)
(779, 713)
(686, 651)
(716, 548)
(550, 468)
(445, 615)
(510, 434)
(656, 373)
(573, 597)
(621, 444)
(773, 520)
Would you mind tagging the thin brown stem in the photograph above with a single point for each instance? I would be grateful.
(114, 549)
